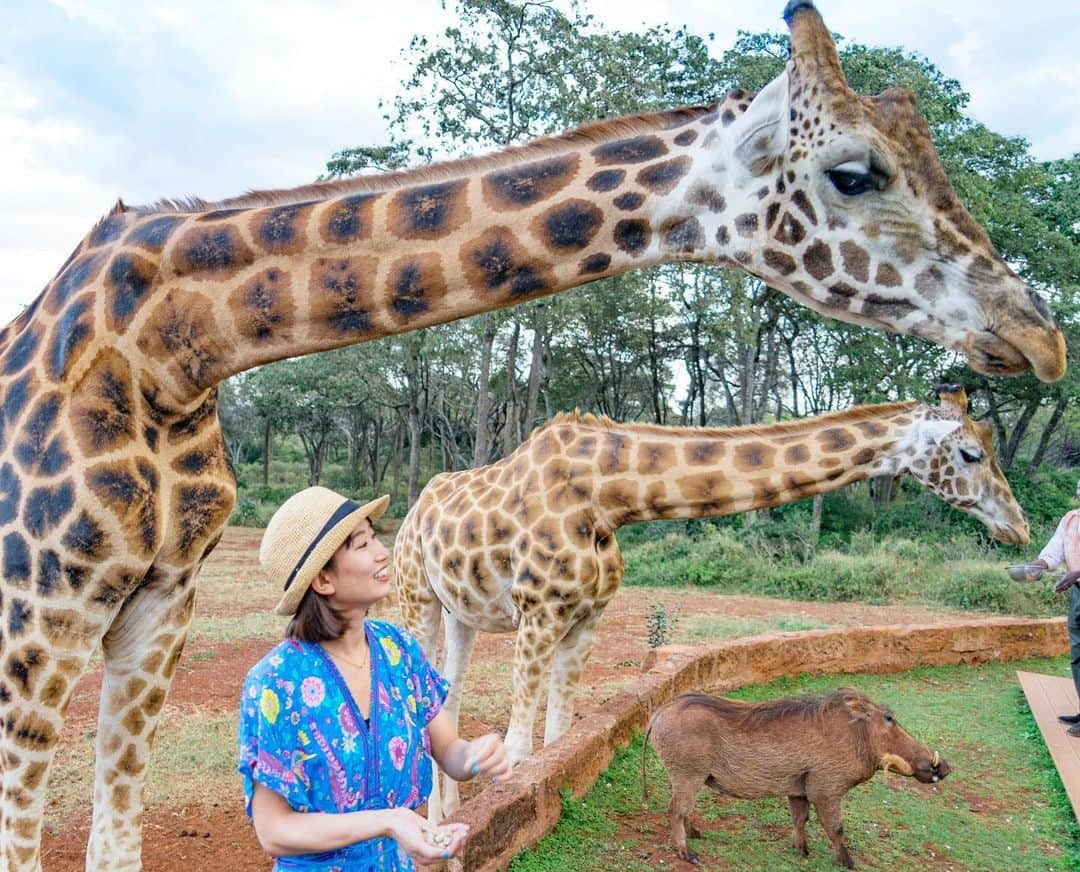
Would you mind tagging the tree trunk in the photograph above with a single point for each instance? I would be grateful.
(512, 434)
(1048, 431)
(268, 444)
(482, 440)
(815, 519)
(535, 370)
(1008, 454)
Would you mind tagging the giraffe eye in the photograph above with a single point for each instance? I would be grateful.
(971, 456)
(854, 178)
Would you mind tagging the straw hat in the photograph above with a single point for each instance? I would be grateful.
(303, 535)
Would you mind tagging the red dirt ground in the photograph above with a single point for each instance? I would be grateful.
(218, 836)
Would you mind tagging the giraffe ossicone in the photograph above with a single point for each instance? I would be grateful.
(114, 484)
(527, 544)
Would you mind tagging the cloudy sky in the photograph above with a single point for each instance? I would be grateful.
(140, 99)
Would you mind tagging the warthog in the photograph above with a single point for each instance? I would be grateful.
(811, 749)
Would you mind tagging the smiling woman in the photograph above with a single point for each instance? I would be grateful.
(337, 720)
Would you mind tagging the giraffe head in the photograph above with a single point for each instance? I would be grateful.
(842, 202)
(953, 456)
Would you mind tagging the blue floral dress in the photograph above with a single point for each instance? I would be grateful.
(303, 737)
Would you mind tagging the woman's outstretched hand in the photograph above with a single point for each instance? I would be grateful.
(487, 756)
(425, 843)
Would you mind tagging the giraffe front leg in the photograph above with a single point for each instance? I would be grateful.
(534, 648)
(569, 663)
(459, 644)
(140, 653)
(34, 693)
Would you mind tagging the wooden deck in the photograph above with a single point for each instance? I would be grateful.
(1050, 696)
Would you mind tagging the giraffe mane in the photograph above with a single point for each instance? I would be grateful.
(594, 132)
(846, 416)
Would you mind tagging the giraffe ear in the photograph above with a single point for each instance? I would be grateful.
(936, 430)
(761, 136)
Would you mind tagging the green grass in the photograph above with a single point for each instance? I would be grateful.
(708, 628)
(1002, 808)
(870, 568)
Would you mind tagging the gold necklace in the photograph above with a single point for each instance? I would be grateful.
(364, 665)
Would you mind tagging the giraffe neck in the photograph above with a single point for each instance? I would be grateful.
(646, 472)
(200, 292)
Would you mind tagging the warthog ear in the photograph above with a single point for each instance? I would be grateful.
(859, 706)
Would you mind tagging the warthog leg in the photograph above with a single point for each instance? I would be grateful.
(800, 811)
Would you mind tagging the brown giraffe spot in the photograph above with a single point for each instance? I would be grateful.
(595, 263)
(103, 409)
(199, 512)
(961, 487)
(798, 484)
(152, 234)
(31, 779)
(417, 285)
(633, 235)
(753, 455)
(498, 530)
(210, 253)
(614, 454)
(129, 762)
(202, 459)
(704, 452)
(340, 295)
(24, 668)
(263, 304)
(661, 178)
(864, 456)
(856, 260)
(714, 489)
(629, 201)
(182, 333)
(280, 229)
(766, 493)
(632, 150)
(686, 137)
(127, 284)
(134, 722)
(802, 202)
(834, 439)
(347, 219)
(496, 262)
(878, 306)
(568, 226)
(135, 686)
(655, 499)
(67, 629)
(654, 457)
(770, 215)
(121, 798)
(871, 429)
(796, 454)
(779, 261)
(28, 729)
(746, 225)
(129, 490)
(429, 211)
(682, 235)
(722, 235)
(619, 496)
(605, 180)
(887, 276)
(521, 186)
(930, 283)
(704, 194)
(191, 425)
(454, 561)
(818, 260)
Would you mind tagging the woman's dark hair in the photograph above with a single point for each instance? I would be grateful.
(315, 620)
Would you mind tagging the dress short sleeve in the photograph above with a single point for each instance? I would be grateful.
(429, 688)
(272, 750)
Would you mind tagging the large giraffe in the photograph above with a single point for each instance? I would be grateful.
(113, 480)
(527, 544)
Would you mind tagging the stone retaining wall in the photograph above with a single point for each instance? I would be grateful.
(506, 818)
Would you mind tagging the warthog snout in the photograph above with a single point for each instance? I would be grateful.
(931, 769)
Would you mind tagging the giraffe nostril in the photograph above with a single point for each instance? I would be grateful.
(1041, 306)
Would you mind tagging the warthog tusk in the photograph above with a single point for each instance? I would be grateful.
(936, 760)
(896, 763)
